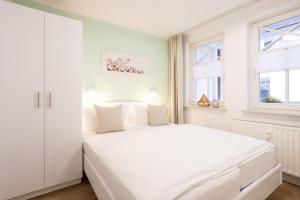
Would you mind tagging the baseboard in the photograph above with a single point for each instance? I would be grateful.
(291, 179)
(47, 190)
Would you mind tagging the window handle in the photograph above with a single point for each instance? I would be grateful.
(38, 100)
(50, 99)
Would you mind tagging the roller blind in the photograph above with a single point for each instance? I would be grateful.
(213, 69)
(282, 59)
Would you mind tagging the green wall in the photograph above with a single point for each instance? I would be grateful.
(98, 36)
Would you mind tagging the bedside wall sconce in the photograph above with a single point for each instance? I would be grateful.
(92, 96)
(153, 97)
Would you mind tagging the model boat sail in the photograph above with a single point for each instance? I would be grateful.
(203, 102)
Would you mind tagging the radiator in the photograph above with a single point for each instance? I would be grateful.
(285, 138)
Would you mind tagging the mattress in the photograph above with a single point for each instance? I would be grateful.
(177, 162)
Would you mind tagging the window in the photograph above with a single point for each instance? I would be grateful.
(208, 71)
(272, 87)
(277, 60)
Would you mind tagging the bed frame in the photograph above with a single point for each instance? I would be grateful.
(258, 190)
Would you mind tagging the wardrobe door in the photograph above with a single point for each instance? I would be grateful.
(63, 150)
(21, 100)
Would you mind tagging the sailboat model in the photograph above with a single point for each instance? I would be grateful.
(203, 102)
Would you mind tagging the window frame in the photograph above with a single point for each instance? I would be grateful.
(255, 103)
(193, 46)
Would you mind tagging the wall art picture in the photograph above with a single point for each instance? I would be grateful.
(113, 62)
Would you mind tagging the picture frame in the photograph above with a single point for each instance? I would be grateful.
(119, 63)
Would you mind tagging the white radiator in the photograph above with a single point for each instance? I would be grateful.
(285, 138)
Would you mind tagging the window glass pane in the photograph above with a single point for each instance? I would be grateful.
(266, 38)
(209, 52)
(281, 34)
(272, 87)
(201, 86)
(214, 88)
(210, 87)
(294, 84)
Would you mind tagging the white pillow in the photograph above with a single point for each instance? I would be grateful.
(135, 115)
(158, 115)
(140, 116)
(109, 118)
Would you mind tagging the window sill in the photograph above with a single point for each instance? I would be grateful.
(221, 109)
(273, 111)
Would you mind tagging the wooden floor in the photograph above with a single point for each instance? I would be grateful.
(84, 191)
(286, 191)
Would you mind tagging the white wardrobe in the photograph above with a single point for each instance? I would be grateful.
(40, 100)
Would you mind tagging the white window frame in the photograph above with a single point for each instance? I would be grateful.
(193, 63)
(255, 103)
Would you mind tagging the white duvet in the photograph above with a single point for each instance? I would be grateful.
(166, 162)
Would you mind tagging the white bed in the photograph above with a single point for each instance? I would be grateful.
(179, 162)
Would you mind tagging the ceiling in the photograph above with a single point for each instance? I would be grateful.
(156, 17)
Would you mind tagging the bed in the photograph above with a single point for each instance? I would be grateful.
(177, 162)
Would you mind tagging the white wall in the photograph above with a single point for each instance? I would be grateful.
(235, 28)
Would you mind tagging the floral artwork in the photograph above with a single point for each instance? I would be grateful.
(114, 62)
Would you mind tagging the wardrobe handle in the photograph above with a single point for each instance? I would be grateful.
(50, 99)
(38, 99)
